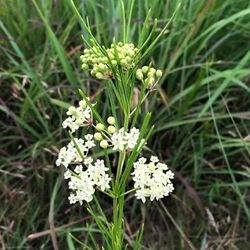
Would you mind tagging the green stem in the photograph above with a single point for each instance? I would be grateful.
(118, 206)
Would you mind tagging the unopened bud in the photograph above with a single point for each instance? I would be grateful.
(83, 104)
(98, 136)
(145, 69)
(99, 75)
(139, 75)
(85, 66)
(104, 144)
(111, 120)
(100, 127)
(158, 73)
(111, 129)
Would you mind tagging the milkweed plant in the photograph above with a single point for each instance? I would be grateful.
(109, 157)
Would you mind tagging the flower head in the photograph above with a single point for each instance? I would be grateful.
(75, 151)
(78, 116)
(125, 140)
(82, 183)
(152, 180)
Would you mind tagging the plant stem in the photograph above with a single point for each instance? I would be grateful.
(118, 205)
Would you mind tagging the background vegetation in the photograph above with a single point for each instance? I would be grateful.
(201, 112)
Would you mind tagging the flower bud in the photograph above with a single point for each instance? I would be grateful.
(83, 104)
(111, 120)
(150, 74)
(86, 51)
(104, 144)
(150, 81)
(102, 67)
(158, 73)
(114, 62)
(139, 75)
(100, 127)
(152, 70)
(111, 55)
(131, 53)
(98, 136)
(99, 75)
(71, 110)
(145, 69)
(85, 66)
(111, 129)
(123, 62)
(105, 60)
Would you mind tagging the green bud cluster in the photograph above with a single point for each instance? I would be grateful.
(103, 133)
(100, 64)
(148, 75)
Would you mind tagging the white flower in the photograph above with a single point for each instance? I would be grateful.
(125, 140)
(87, 161)
(71, 154)
(132, 137)
(89, 141)
(67, 174)
(78, 169)
(69, 122)
(118, 140)
(97, 173)
(83, 182)
(152, 180)
(78, 117)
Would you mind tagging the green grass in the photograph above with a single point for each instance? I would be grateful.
(201, 112)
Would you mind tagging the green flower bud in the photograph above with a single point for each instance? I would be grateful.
(152, 70)
(158, 73)
(128, 59)
(105, 60)
(145, 69)
(131, 53)
(111, 129)
(150, 81)
(139, 75)
(100, 127)
(99, 75)
(83, 104)
(86, 51)
(104, 144)
(72, 110)
(131, 45)
(114, 62)
(85, 66)
(123, 62)
(102, 67)
(98, 136)
(111, 120)
(150, 74)
(111, 55)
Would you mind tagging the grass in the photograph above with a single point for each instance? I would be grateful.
(201, 110)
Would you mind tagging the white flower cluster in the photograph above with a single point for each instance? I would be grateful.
(78, 116)
(152, 179)
(76, 151)
(125, 140)
(83, 183)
